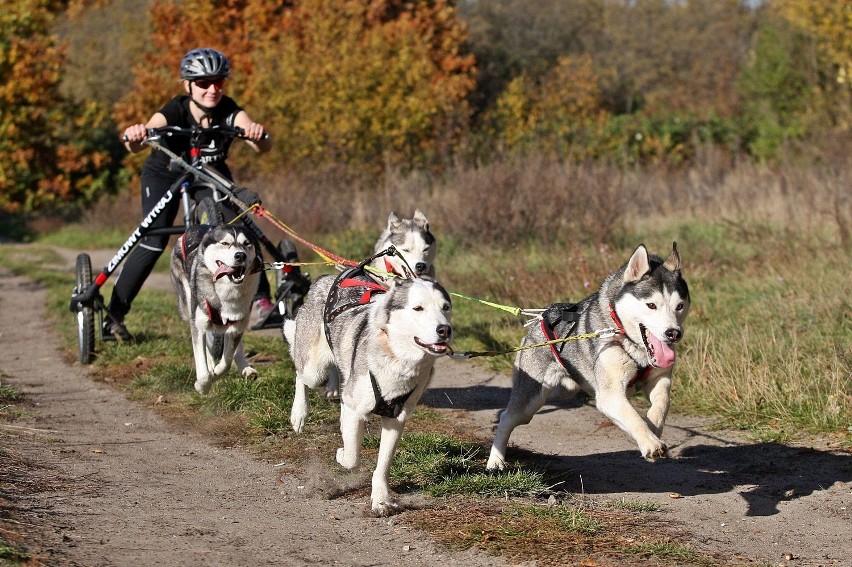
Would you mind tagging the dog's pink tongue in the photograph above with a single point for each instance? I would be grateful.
(222, 271)
(664, 356)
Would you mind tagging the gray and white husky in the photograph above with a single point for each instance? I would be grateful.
(416, 250)
(414, 242)
(647, 301)
(216, 271)
(384, 339)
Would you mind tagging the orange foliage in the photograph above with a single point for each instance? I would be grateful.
(43, 155)
(364, 82)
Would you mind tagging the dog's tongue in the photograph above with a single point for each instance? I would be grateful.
(664, 356)
(222, 271)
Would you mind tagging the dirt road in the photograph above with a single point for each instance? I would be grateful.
(126, 488)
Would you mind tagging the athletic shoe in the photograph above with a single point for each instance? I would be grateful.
(263, 307)
(115, 330)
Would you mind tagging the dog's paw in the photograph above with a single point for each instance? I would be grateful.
(297, 420)
(656, 452)
(203, 386)
(341, 459)
(249, 372)
(496, 462)
(385, 507)
(332, 395)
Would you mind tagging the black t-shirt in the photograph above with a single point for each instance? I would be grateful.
(214, 151)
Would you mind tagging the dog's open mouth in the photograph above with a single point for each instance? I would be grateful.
(235, 273)
(434, 348)
(660, 354)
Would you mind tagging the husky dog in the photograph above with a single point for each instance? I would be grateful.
(384, 338)
(647, 300)
(216, 271)
(412, 239)
(416, 249)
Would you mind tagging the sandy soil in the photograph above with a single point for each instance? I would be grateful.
(137, 491)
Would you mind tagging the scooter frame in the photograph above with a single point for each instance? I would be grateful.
(86, 298)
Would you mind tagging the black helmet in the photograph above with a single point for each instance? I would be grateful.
(204, 63)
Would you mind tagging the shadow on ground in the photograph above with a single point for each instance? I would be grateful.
(764, 474)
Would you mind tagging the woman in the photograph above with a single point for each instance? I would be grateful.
(203, 72)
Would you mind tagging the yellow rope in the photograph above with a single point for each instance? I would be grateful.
(602, 333)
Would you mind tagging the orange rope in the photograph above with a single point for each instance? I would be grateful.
(325, 254)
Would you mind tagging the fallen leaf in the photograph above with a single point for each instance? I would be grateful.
(675, 495)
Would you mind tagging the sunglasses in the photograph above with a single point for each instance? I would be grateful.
(204, 84)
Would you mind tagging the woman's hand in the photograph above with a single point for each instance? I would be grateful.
(254, 131)
(255, 134)
(135, 134)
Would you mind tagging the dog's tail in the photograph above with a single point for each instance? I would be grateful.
(288, 329)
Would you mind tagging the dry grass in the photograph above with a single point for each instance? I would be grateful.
(576, 531)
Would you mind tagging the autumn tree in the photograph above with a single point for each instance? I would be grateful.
(51, 151)
(828, 24)
(554, 112)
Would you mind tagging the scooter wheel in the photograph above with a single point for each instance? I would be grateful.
(207, 211)
(85, 313)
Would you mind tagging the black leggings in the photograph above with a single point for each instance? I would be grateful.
(139, 264)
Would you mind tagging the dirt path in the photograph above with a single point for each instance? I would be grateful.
(141, 492)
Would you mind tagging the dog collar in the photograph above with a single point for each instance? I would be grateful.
(614, 316)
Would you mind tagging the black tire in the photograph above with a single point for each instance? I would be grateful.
(85, 313)
(207, 211)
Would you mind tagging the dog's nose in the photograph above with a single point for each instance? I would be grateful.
(240, 256)
(674, 335)
(444, 331)
(421, 267)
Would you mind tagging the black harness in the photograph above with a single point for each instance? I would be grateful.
(561, 319)
(341, 299)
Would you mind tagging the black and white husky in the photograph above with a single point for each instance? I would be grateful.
(216, 271)
(646, 301)
(413, 241)
(384, 339)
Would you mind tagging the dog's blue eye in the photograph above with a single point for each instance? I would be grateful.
(651, 306)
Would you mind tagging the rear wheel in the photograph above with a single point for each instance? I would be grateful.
(207, 211)
(85, 313)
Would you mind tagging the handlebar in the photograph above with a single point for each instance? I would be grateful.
(194, 132)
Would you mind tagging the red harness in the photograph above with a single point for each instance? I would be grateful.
(550, 335)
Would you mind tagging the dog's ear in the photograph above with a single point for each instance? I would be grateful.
(393, 221)
(673, 261)
(421, 220)
(638, 265)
